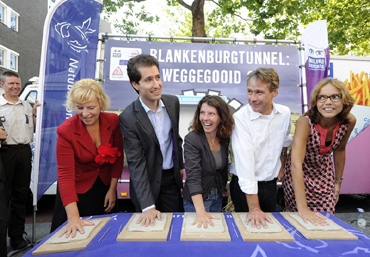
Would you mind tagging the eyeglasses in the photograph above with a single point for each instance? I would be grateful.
(334, 98)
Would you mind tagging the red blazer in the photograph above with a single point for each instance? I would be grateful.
(77, 169)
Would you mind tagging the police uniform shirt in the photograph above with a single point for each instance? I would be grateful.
(17, 120)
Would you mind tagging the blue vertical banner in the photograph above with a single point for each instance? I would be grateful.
(68, 54)
(317, 56)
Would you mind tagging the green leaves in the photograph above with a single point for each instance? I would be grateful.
(348, 20)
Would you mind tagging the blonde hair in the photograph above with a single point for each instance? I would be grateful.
(85, 90)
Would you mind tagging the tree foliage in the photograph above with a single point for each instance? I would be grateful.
(130, 18)
(348, 20)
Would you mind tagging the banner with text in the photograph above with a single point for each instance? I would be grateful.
(68, 54)
(191, 71)
(317, 56)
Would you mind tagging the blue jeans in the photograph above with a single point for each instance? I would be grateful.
(212, 203)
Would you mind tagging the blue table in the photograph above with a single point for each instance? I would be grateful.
(173, 247)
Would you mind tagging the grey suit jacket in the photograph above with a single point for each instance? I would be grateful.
(143, 152)
(200, 166)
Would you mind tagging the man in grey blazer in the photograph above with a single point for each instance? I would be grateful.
(152, 142)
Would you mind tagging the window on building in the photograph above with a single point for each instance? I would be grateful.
(2, 56)
(14, 21)
(13, 62)
(9, 17)
(8, 58)
(2, 13)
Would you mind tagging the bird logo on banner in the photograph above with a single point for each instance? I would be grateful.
(76, 35)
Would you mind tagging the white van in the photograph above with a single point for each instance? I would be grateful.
(29, 93)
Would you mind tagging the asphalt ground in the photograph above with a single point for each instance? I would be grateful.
(346, 210)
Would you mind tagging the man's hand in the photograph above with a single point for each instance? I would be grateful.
(258, 217)
(3, 133)
(37, 104)
(255, 214)
(148, 217)
(182, 172)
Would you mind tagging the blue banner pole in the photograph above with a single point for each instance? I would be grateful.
(68, 54)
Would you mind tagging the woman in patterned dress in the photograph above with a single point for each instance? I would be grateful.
(311, 181)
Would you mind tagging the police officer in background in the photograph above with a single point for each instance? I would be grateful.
(18, 118)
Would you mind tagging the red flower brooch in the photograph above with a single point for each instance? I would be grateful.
(107, 154)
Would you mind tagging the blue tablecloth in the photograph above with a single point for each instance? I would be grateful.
(173, 247)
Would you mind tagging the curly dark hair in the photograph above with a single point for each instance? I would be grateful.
(226, 125)
(347, 100)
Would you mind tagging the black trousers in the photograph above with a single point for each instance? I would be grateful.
(89, 203)
(4, 215)
(170, 197)
(17, 165)
(266, 195)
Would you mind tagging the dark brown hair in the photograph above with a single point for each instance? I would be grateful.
(226, 125)
(141, 60)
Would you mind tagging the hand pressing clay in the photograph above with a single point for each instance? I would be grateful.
(189, 218)
(79, 237)
(309, 226)
(271, 227)
(158, 224)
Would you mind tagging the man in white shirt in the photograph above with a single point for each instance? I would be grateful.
(259, 141)
(18, 118)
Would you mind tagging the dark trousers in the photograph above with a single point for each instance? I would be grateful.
(266, 195)
(3, 213)
(169, 198)
(17, 165)
(89, 203)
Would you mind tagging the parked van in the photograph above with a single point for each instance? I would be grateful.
(29, 93)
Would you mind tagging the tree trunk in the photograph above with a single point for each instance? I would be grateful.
(197, 10)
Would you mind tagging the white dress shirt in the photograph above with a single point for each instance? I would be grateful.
(17, 121)
(163, 129)
(257, 141)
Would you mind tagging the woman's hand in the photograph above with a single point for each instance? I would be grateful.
(338, 184)
(204, 218)
(75, 224)
(110, 200)
(314, 218)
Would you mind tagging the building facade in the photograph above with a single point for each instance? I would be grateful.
(21, 30)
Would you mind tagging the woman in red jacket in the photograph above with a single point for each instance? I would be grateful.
(89, 158)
